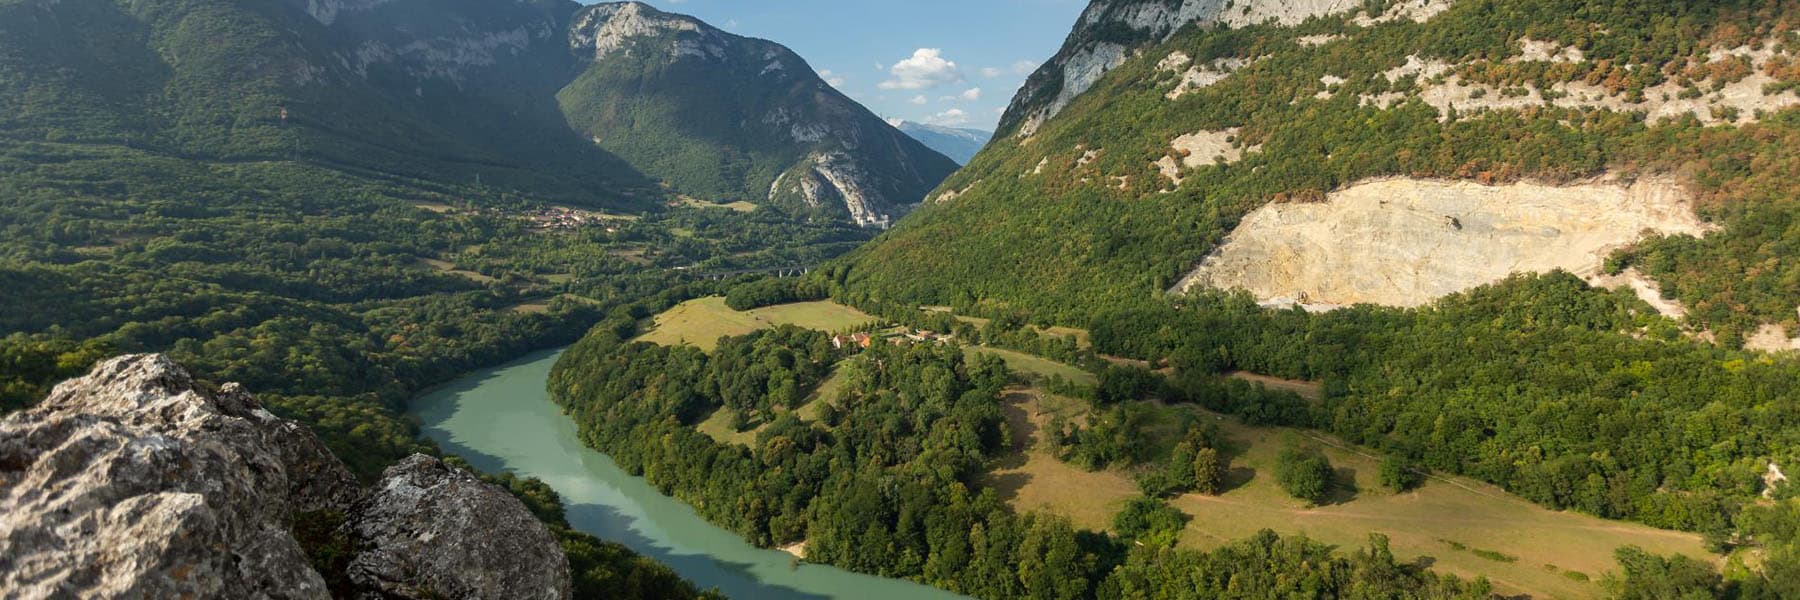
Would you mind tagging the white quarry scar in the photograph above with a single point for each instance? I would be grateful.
(1403, 242)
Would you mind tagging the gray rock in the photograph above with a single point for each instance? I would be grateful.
(428, 530)
(136, 482)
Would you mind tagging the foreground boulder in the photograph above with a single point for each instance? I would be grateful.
(136, 481)
(433, 531)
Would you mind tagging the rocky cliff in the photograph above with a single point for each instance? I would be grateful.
(652, 94)
(1111, 31)
(136, 481)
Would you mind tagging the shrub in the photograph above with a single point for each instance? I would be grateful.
(1303, 473)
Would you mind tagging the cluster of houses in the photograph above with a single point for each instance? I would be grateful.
(904, 336)
(562, 217)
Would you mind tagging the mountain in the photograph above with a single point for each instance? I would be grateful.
(728, 118)
(541, 97)
(1162, 129)
(449, 91)
(958, 144)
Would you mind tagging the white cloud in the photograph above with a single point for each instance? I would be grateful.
(949, 118)
(919, 99)
(991, 72)
(1024, 67)
(924, 70)
(836, 81)
(968, 95)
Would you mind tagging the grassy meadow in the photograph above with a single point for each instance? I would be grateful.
(1458, 525)
(701, 322)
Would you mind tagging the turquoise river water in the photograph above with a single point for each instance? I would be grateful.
(502, 419)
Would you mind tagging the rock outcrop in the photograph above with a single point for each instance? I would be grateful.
(1111, 30)
(137, 481)
(1405, 242)
(430, 530)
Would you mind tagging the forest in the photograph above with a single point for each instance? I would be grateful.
(881, 481)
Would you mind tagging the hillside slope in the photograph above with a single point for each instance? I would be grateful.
(1558, 224)
(651, 92)
(1132, 184)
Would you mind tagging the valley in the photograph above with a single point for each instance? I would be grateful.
(1458, 299)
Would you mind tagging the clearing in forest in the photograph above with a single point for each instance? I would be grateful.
(1035, 366)
(703, 321)
(447, 267)
(1462, 526)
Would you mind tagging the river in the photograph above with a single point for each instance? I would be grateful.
(502, 419)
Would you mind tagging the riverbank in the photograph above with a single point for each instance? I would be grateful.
(502, 419)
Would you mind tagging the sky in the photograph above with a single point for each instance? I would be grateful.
(945, 62)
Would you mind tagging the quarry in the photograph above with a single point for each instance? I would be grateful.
(1406, 242)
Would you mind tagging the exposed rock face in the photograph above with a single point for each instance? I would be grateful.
(1110, 30)
(136, 481)
(1404, 242)
(431, 531)
(608, 28)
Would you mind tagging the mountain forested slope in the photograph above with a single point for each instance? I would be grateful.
(1082, 208)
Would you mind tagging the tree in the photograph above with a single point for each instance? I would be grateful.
(1646, 576)
(1149, 521)
(1304, 473)
(1121, 383)
(1209, 471)
(1401, 474)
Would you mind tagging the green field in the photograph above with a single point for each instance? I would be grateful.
(1460, 524)
(703, 321)
(1035, 365)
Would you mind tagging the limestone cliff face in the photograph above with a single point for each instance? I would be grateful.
(1111, 30)
(136, 481)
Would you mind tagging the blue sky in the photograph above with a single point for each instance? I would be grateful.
(945, 62)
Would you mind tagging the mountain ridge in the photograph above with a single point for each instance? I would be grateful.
(784, 137)
(960, 144)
